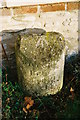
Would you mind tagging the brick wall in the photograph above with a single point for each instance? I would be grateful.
(60, 17)
(42, 8)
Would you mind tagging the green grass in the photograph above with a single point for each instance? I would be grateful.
(54, 107)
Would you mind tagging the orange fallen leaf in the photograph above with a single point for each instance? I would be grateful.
(24, 109)
(72, 93)
(28, 106)
(28, 102)
(31, 102)
(27, 99)
(71, 89)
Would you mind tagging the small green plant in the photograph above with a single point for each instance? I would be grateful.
(64, 105)
(12, 99)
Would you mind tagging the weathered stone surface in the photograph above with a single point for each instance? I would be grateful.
(40, 62)
(9, 38)
(8, 60)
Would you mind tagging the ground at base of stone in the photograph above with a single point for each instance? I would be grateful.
(63, 105)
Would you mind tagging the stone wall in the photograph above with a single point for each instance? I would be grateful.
(59, 17)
